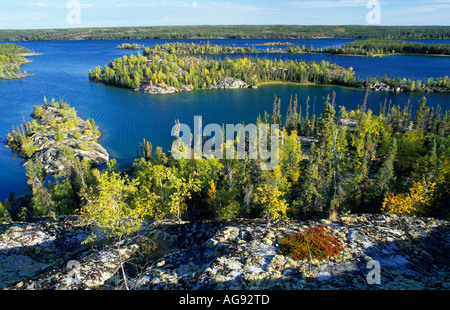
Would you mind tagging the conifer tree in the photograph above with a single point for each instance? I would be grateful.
(386, 175)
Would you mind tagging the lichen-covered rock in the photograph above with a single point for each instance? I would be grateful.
(159, 89)
(236, 254)
(27, 249)
(56, 132)
(231, 83)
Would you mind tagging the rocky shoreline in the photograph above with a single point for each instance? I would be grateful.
(222, 83)
(54, 131)
(225, 255)
(381, 86)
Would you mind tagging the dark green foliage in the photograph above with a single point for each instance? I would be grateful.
(374, 47)
(229, 32)
(186, 49)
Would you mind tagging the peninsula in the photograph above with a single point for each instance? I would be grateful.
(12, 56)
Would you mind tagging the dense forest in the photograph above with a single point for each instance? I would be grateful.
(174, 64)
(380, 47)
(333, 163)
(11, 60)
(229, 32)
(375, 47)
(186, 49)
(170, 64)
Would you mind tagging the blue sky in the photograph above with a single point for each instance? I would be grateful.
(30, 14)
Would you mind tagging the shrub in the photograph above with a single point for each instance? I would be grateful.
(2, 212)
(38, 112)
(314, 243)
(416, 202)
(29, 149)
(59, 135)
(271, 197)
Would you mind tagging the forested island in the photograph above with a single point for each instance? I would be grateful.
(128, 46)
(376, 47)
(230, 32)
(11, 58)
(175, 67)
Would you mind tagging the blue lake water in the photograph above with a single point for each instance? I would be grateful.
(126, 117)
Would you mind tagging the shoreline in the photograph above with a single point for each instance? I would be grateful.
(360, 55)
(16, 77)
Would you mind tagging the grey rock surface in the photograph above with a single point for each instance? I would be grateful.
(236, 254)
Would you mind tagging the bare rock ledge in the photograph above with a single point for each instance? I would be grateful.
(225, 255)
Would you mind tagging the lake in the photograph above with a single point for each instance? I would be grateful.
(126, 117)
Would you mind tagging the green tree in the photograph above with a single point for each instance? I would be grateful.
(311, 200)
(63, 198)
(291, 155)
(2, 212)
(41, 202)
(386, 174)
(274, 205)
(111, 206)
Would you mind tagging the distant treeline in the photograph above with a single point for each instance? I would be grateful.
(376, 47)
(373, 47)
(230, 32)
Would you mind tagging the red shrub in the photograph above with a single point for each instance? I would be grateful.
(313, 243)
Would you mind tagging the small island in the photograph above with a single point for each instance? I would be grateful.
(12, 56)
(133, 46)
(54, 133)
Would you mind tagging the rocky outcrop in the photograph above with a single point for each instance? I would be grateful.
(158, 89)
(231, 83)
(53, 158)
(237, 254)
(381, 86)
(28, 249)
(221, 83)
(56, 131)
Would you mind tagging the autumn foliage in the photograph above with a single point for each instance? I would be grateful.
(415, 202)
(314, 243)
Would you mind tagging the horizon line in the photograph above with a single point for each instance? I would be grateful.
(224, 25)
